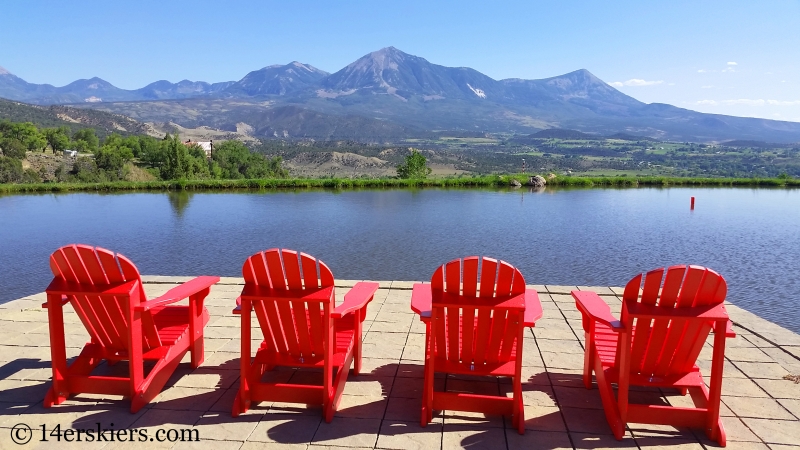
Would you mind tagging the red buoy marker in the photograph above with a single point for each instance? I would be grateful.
(692, 203)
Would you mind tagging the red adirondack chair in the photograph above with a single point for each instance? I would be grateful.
(475, 314)
(294, 302)
(656, 343)
(106, 291)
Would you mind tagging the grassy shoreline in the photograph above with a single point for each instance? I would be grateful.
(348, 183)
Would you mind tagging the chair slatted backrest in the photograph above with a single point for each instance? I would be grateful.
(662, 347)
(477, 332)
(295, 327)
(106, 319)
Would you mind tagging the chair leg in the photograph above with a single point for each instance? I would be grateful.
(58, 354)
(717, 433)
(357, 343)
(519, 408)
(427, 389)
(197, 321)
(588, 360)
(609, 402)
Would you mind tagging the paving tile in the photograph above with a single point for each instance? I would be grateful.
(368, 385)
(23, 391)
(742, 387)
(649, 442)
(557, 289)
(567, 377)
(472, 437)
(285, 430)
(642, 431)
(747, 355)
(763, 408)
(222, 427)
(187, 399)
(599, 290)
(348, 432)
(562, 360)
(775, 431)
(539, 440)
(543, 418)
(586, 420)
(595, 442)
(409, 435)
(780, 388)
(792, 405)
(382, 351)
(208, 378)
(412, 387)
(361, 406)
(577, 397)
(204, 444)
(472, 419)
(411, 369)
(533, 394)
(735, 430)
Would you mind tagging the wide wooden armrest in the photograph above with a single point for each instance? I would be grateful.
(179, 293)
(66, 288)
(421, 300)
(64, 301)
(533, 308)
(355, 299)
(709, 312)
(590, 304)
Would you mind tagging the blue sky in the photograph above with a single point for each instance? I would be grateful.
(729, 57)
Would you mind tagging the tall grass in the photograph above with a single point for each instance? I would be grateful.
(355, 183)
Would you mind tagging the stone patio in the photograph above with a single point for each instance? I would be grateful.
(381, 407)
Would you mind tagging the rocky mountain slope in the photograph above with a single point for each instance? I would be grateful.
(389, 93)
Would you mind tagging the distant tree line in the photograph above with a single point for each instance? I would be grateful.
(116, 156)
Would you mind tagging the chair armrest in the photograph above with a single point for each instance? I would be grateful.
(64, 301)
(355, 299)
(421, 300)
(729, 333)
(179, 293)
(591, 305)
(66, 289)
(533, 308)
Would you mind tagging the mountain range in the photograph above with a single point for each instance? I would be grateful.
(391, 94)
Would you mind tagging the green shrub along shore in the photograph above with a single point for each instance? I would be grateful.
(488, 181)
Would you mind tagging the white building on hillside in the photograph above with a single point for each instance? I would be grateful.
(208, 146)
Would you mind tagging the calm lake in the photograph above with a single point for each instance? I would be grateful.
(567, 237)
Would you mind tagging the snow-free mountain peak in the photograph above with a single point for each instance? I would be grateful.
(276, 80)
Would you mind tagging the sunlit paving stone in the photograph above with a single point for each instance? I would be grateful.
(381, 407)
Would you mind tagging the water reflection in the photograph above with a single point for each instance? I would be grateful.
(179, 201)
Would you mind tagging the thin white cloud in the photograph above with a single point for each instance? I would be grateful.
(732, 63)
(636, 82)
(702, 71)
(749, 102)
(784, 102)
(707, 87)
